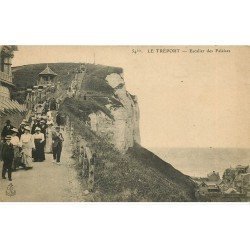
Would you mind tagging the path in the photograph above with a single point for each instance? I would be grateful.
(47, 181)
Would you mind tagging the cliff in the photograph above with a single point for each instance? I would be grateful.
(107, 116)
(123, 127)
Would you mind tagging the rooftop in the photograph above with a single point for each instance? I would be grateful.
(48, 71)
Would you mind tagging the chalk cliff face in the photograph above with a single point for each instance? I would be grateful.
(123, 130)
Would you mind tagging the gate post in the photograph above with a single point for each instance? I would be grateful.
(71, 132)
(91, 180)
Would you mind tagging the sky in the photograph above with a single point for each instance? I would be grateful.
(186, 99)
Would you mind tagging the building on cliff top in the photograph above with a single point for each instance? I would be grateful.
(8, 107)
(47, 76)
(44, 89)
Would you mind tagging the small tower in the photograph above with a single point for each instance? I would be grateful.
(47, 76)
(45, 84)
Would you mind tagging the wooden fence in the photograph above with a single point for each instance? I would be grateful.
(82, 154)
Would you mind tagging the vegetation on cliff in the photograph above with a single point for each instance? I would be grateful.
(85, 107)
(138, 175)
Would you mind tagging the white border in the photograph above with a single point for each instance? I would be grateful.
(125, 22)
(124, 226)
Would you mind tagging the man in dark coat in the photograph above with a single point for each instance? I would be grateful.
(7, 129)
(57, 140)
(53, 104)
(7, 157)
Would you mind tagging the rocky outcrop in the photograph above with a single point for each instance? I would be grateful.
(123, 130)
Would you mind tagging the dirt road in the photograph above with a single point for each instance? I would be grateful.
(47, 181)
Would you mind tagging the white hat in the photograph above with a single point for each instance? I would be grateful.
(27, 128)
(14, 130)
(37, 128)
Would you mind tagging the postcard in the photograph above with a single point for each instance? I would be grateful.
(124, 123)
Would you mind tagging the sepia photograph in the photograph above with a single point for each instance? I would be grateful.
(124, 123)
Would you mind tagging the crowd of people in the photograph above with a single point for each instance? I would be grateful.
(34, 137)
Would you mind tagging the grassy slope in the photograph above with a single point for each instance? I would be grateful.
(26, 76)
(94, 83)
(139, 175)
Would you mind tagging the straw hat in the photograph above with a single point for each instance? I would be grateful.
(14, 130)
(37, 129)
(27, 128)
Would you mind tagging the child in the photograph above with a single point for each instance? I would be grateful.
(7, 157)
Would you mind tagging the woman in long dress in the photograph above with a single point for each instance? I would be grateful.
(49, 137)
(39, 140)
(15, 142)
(27, 144)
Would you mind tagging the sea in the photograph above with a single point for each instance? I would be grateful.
(198, 162)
